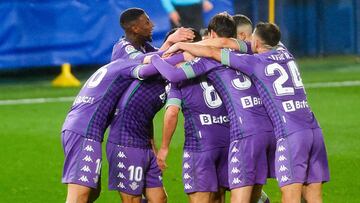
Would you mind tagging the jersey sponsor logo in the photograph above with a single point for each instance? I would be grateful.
(134, 185)
(186, 176)
(186, 165)
(291, 105)
(87, 158)
(121, 175)
(89, 148)
(249, 101)
(235, 170)
(84, 179)
(282, 158)
(236, 181)
(84, 99)
(283, 168)
(121, 155)
(85, 168)
(121, 185)
(121, 165)
(207, 119)
(187, 186)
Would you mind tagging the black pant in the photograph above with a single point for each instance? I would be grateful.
(191, 16)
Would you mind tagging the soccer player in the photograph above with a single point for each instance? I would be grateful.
(243, 27)
(138, 33)
(86, 122)
(251, 131)
(206, 138)
(301, 160)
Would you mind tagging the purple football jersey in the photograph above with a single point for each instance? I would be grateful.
(277, 78)
(206, 121)
(132, 125)
(246, 112)
(125, 50)
(93, 106)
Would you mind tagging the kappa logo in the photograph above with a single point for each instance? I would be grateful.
(186, 155)
(187, 186)
(234, 150)
(134, 185)
(83, 179)
(121, 155)
(121, 165)
(281, 148)
(284, 178)
(160, 178)
(282, 158)
(96, 179)
(236, 181)
(87, 158)
(235, 170)
(234, 160)
(85, 168)
(186, 176)
(283, 168)
(186, 165)
(121, 175)
(121, 185)
(89, 148)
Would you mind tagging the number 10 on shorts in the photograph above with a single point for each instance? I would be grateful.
(135, 173)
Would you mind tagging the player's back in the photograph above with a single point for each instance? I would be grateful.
(206, 121)
(132, 124)
(94, 104)
(278, 80)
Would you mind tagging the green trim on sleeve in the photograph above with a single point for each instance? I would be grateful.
(188, 70)
(135, 54)
(136, 70)
(242, 46)
(225, 57)
(173, 102)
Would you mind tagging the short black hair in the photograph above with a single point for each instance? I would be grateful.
(130, 15)
(241, 20)
(223, 25)
(269, 33)
(196, 33)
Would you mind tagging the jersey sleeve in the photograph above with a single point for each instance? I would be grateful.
(242, 62)
(173, 95)
(125, 52)
(188, 70)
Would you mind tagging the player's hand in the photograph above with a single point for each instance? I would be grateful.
(175, 18)
(147, 59)
(161, 158)
(181, 35)
(173, 49)
(207, 6)
(188, 56)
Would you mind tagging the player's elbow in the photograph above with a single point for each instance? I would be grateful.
(172, 112)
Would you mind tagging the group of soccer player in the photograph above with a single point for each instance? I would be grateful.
(245, 109)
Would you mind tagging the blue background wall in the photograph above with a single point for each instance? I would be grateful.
(42, 33)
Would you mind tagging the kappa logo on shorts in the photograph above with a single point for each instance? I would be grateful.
(96, 179)
(121, 185)
(85, 168)
(234, 150)
(234, 160)
(186, 176)
(160, 178)
(235, 170)
(236, 181)
(187, 186)
(134, 185)
(186, 155)
(283, 168)
(282, 158)
(87, 158)
(186, 165)
(281, 148)
(83, 179)
(121, 155)
(121, 175)
(89, 148)
(284, 178)
(121, 165)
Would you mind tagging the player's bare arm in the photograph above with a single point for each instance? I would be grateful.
(220, 43)
(170, 122)
(195, 50)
